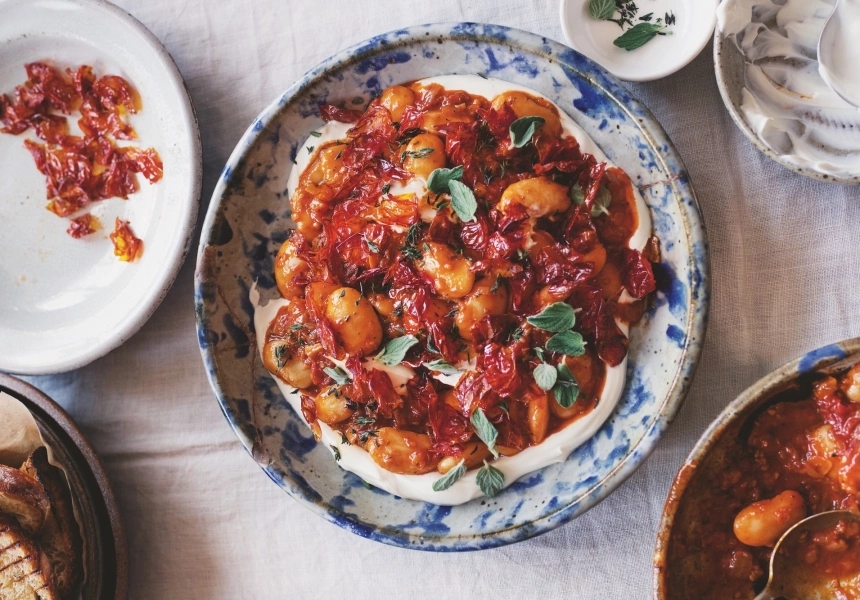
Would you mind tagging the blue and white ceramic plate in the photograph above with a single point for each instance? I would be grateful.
(248, 219)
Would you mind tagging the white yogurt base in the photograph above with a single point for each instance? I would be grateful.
(842, 46)
(556, 447)
(787, 103)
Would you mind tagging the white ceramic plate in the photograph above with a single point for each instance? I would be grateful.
(662, 56)
(66, 302)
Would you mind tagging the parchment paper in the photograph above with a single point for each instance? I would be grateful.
(19, 434)
(19, 437)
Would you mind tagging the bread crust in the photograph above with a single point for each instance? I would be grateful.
(60, 538)
(23, 497)
(24, 572)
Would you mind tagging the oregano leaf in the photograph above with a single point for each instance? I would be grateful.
(601, 202)
(442, 367)
(566, 389)
(440, 178)
(449, 478)
(545, 376)
(639, 35)
(395, 350)
(490, 480)
(523, 129)
(566, 342)
(463, 200)
(485, 430)
(555, 317)
(601, 9)
(340, 376)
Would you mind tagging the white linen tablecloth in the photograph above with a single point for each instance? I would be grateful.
(205, 522)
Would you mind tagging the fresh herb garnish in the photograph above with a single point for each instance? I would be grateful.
(639, 35)
(496, 284)
(343, 439)
(517, 334)
(296, 326)
(310, 149)
(601, 202)
(281, 356)
(315, 133)
(463, 200)
(566, 342)
(363, 421)
(411, 252)
(490, 480)
(485, 430)
(420, 153)
(601, 9)
(365, 435)
(336, 452)
(373, 247)
(555, 318)
(577, 196)
(340, 376)
(443, 367)
(408, 135)
(440, 178)
(545, 376)
(395, 350)
(523, 129)
(627, 10)
(566, 389)
(448, 479)
(412, 234)
(386, 188)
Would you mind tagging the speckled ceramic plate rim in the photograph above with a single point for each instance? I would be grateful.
(118, 338)
(67, 425)
(762, 389)
(723, 84)
(694, 229)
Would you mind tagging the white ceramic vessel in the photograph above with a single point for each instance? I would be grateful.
(66, 302)
(662, 56)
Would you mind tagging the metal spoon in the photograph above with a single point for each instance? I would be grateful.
(786, 579)
(837, 62)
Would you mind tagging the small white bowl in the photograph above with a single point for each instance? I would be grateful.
(662, 56)
(66, 302)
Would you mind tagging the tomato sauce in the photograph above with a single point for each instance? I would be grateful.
(806, 440)
(355, 230)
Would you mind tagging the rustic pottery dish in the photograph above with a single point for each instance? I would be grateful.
(105, 554)
(730, 422)
(813, 113)
(66, 302)
(248, 219)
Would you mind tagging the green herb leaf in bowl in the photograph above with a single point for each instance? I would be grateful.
(639, 35)
(601, 9)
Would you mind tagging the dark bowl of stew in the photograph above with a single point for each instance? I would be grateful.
(786, 448)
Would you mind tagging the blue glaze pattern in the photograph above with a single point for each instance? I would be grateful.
(248, 218)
